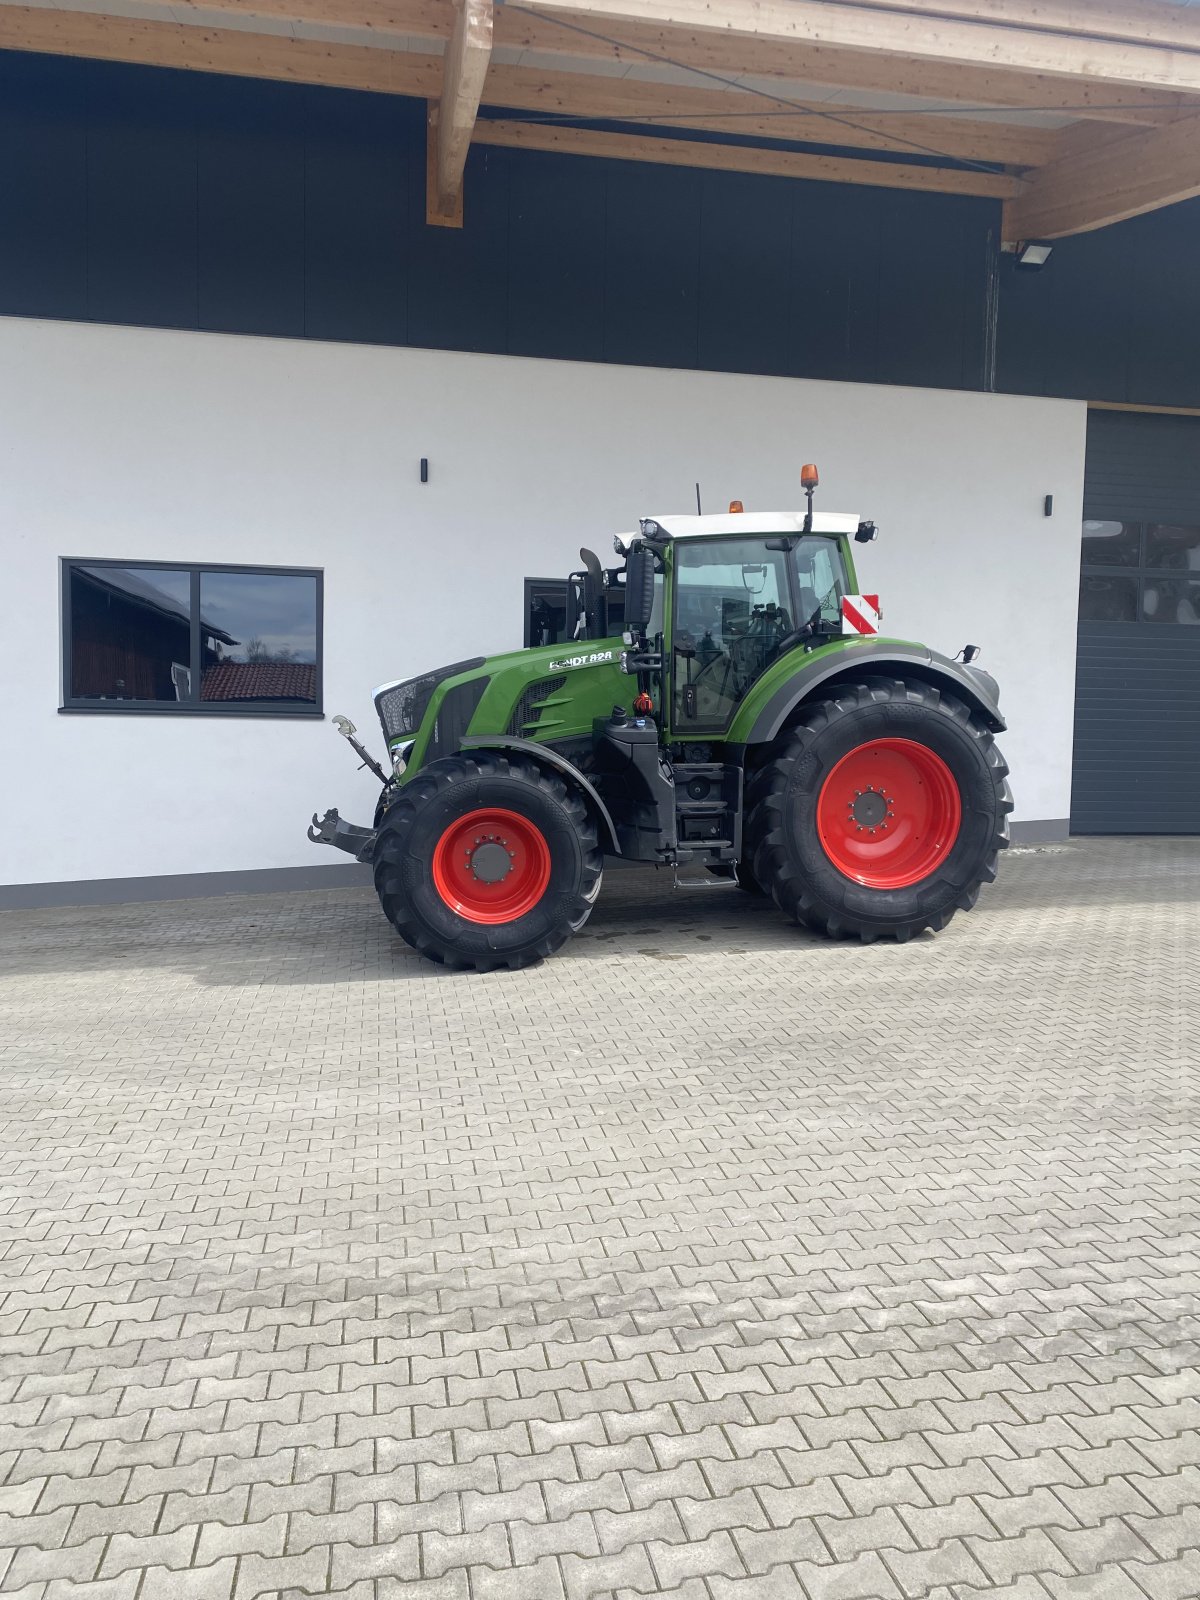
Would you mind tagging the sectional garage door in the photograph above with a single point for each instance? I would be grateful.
(1137, 709)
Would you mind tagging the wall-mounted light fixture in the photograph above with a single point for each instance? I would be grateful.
(1033, 254)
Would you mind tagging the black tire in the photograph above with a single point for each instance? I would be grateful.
(781, 822)
(447, 790)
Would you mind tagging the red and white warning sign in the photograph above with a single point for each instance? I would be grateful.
(861, 613)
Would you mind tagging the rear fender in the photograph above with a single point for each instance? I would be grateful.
(760, 720)
(552, 761)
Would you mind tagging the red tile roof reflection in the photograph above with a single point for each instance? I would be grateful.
(260, 680)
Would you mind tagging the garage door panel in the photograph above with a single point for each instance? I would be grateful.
(1137, 730)
(1136, 765)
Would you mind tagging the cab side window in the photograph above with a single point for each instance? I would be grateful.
(821, 582)
(732, 611)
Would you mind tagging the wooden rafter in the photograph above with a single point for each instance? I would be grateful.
(742, 158)
(207, 48)
(631, 44)
(1144, 21)
(465, 66)
(1141, 21)
(1108, 181)
(580, 94)
(420, 19)
(535, 89)
(916, 33)
(230, 50)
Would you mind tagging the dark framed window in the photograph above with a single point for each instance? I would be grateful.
(547, 611)
(1140, 572)
(176, 638)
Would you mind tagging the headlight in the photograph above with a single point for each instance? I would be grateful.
(400, 754)
(402, 706)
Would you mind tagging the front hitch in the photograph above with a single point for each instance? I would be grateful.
(347, 730)
(343, 835)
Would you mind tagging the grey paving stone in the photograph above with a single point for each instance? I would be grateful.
(843, 1274)
(864, 1578)
(584, 1577)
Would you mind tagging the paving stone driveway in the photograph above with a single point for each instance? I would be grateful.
(707, 1260)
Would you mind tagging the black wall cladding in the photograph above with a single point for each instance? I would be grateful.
(185, 200)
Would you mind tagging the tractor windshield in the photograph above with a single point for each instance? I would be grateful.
(737, 604)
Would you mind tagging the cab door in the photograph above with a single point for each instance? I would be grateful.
(738, 603)
(733, 606)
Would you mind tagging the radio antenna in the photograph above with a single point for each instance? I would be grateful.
(699, 513)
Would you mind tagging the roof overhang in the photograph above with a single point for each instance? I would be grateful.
(1073, 114)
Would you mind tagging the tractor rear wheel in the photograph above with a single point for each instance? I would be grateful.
(485, 860)
(880, 813)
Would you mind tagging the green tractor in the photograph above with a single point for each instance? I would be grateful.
(721, 701)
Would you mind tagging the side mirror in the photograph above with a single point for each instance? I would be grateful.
(639, 587)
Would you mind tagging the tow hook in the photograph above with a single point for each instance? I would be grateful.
(343, 835)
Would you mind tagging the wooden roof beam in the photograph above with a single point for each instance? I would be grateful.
(1108, 182)
(208, 49)
(1141, 21)
(464, 69)
(634, 44)
(917, 33)
(744, 158)
(578, 94)
(228, 50)
(535, 89)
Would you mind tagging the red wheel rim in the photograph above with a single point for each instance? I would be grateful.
(889, 813)
(491, 866)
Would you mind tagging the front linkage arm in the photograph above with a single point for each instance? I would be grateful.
(343, 835)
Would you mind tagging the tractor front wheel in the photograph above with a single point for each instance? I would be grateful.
(881, 812)
(485, 861)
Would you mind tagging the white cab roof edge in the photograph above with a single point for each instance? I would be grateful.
(752, 523)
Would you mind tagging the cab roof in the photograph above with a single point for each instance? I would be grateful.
(752, 523)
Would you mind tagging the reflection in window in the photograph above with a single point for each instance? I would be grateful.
(1171, 600)
(190, 639)
(130, 633)
(1108, 599)
(1170, 546)
(258, 637)
(1111, 544)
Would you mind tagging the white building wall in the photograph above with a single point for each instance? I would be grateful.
(148, 445)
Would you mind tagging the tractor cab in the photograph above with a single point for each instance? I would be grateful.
(728, 597)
